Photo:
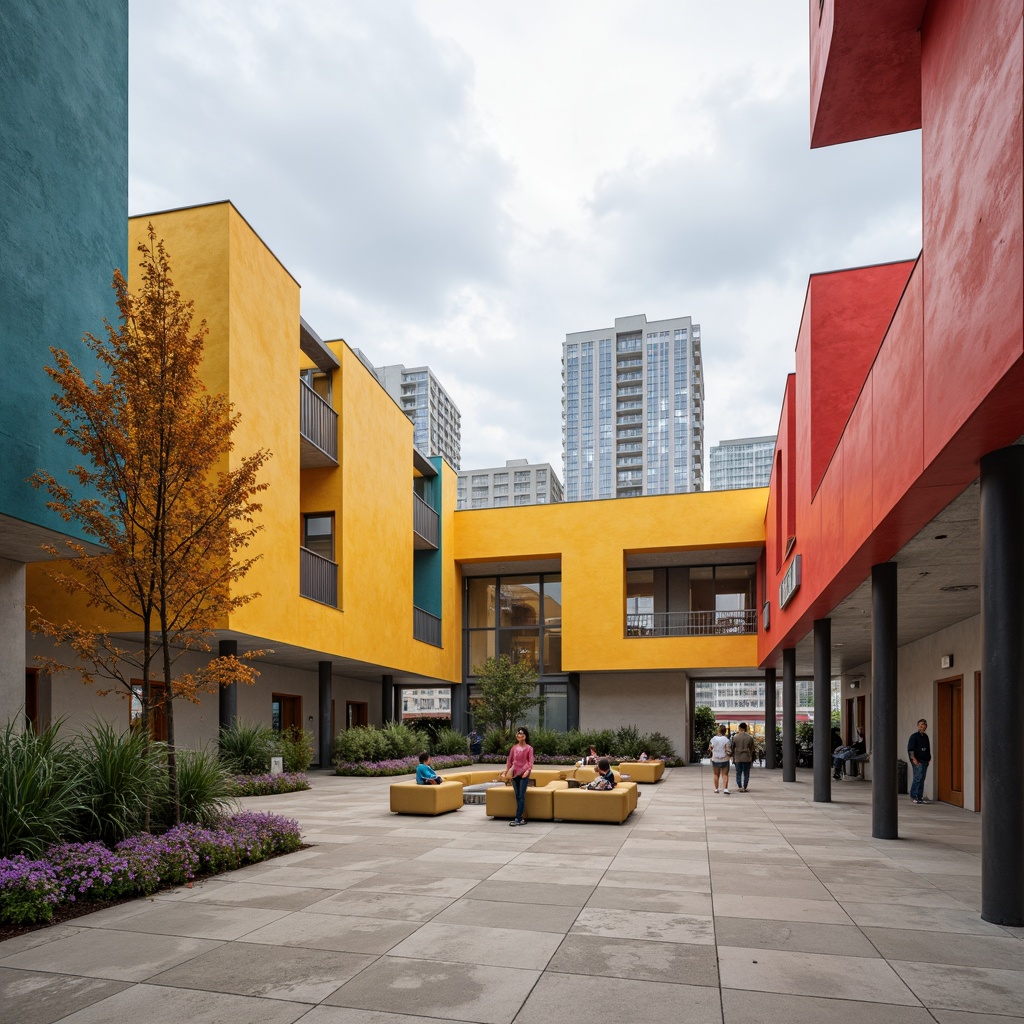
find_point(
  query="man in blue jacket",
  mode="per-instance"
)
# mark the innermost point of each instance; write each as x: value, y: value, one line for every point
x: 920, y: 751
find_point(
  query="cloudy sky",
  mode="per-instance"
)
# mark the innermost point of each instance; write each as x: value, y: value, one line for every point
x: 462, y: 182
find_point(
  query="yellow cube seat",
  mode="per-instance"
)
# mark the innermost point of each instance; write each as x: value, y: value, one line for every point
x: 412, y: 798
x: 642, y: 771
x: 610, y: 805
x: 501, y: 801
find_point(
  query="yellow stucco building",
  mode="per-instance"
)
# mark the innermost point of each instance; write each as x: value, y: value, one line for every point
x: 370, y: 581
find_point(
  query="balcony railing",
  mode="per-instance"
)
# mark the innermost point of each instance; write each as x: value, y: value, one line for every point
x: 318, y: 577
x: 424, y: 524
x: 710, y: 623
x: 426, y: 627
x: 318, y: 429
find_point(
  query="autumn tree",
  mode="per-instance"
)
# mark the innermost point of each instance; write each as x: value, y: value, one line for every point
x: 170, y: 522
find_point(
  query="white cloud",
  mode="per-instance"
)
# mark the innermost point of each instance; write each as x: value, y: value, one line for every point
x: 460, y: 184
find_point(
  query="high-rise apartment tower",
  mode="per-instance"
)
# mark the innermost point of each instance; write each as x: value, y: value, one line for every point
x: 436, y: 419
x: 633, y: 409
x: 742, y: 462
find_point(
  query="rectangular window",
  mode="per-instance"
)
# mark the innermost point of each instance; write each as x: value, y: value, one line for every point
x: 318, y: 534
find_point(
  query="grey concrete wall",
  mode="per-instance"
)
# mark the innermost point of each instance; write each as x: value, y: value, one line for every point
x: 652, y: 701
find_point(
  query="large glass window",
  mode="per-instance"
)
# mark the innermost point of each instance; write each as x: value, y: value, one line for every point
x: 690, y: 600
x: 520, y: 616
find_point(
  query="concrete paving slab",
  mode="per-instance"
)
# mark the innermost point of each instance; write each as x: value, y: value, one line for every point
x: 334, y: 931
x: 117, y: 956
x: 676, y: 963
x: 29, y: 997
x: 435, y: 989
x: 274, y: 972
x: 885, y: 915
x: 156, y: 1005
x: 1003, y: 952
x: 812, y: 974
x: 779, y: 908
x: 436, y: 885
x: 195, y: 920
x: 974, y: 989
x: 387, y: 905
x: 800, y: 936
x: 473, y: 944
x: 696, y: 882
x: 660, y: 901
x: 347, y: 1015
x: 771, y: 1008
x: 519, y: 916
x: 243, y: 893
x: 638, y: 924
x: 583, y: 999
x: 556, y: 894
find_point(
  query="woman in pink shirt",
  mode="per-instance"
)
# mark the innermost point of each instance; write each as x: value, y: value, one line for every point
x: 518, y: 767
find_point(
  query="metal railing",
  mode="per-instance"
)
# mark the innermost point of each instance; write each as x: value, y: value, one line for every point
x: 709, y: 623
x: 318, y: 577
x: 425, y: 521
x: 318, y: 422
x: 426, y: 627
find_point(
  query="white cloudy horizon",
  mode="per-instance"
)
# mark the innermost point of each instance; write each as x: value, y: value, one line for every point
x: 460, y: 184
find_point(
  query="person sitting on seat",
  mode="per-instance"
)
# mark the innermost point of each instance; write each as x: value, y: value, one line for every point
x: 425, y: 775
x: 841, y: 754
x: 605, y: 778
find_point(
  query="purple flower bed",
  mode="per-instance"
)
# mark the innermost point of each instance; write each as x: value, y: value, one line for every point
x: 69, y: 872
x: 400, y: 766
x: 268, y: 785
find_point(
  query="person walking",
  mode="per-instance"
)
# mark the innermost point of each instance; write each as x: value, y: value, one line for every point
x: 920, y: 750
x: 518, y: 768
x: 720, y: 750
x: 743, y: 757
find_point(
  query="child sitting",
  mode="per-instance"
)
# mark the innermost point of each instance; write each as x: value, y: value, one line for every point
x: 425, y: 775
x: 605, y: 778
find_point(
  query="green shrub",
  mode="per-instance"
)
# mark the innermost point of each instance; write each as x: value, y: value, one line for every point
x: 247, y: 747
x: 296, y: 749
x: 429, y: 727
x: 204, y: 788
x: 449, y: 741
x: 402, y: 740
x: 123, y: 775
x: 545, y: 741
x: 497, y: 741
x: 41, y: 799
x: 628, y: 742
x: 657, y: 745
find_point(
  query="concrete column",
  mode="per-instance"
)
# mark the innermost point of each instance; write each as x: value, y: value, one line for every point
x: 460, y: 708
x: 770, y: 717
x: 572, y: 702
x: 789, y: 714
x: 227, y: 703
x: 387, y: 699
x: 884, y: 744
x: 325, y: 695
x: 13, y: 652
x: 822, y: 710
x: 1002, y: 693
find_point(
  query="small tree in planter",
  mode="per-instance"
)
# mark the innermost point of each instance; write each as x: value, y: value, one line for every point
x: 507, y: 692
x: 703, y: 729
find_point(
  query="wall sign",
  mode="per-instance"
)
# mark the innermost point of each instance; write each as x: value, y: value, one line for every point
x: 791, y: 581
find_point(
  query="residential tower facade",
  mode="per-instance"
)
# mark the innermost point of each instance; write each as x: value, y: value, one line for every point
x: 515, y: 483
x: 743, y: 462
x: 633, y: 409
x: 435, y: 417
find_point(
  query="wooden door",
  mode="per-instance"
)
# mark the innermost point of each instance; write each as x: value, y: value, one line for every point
x: 977, y: 741
x: 948, y: 744
x: 285, y: 712
x: 856, y: 710
x: 356, y: 713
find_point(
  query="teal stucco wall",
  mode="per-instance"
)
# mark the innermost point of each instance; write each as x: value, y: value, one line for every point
x: 63, y: 216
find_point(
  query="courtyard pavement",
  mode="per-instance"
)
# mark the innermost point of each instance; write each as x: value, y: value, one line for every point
x: 742, y: 909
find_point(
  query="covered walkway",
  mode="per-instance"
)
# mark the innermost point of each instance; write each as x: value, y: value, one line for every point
x: 748, y: 908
